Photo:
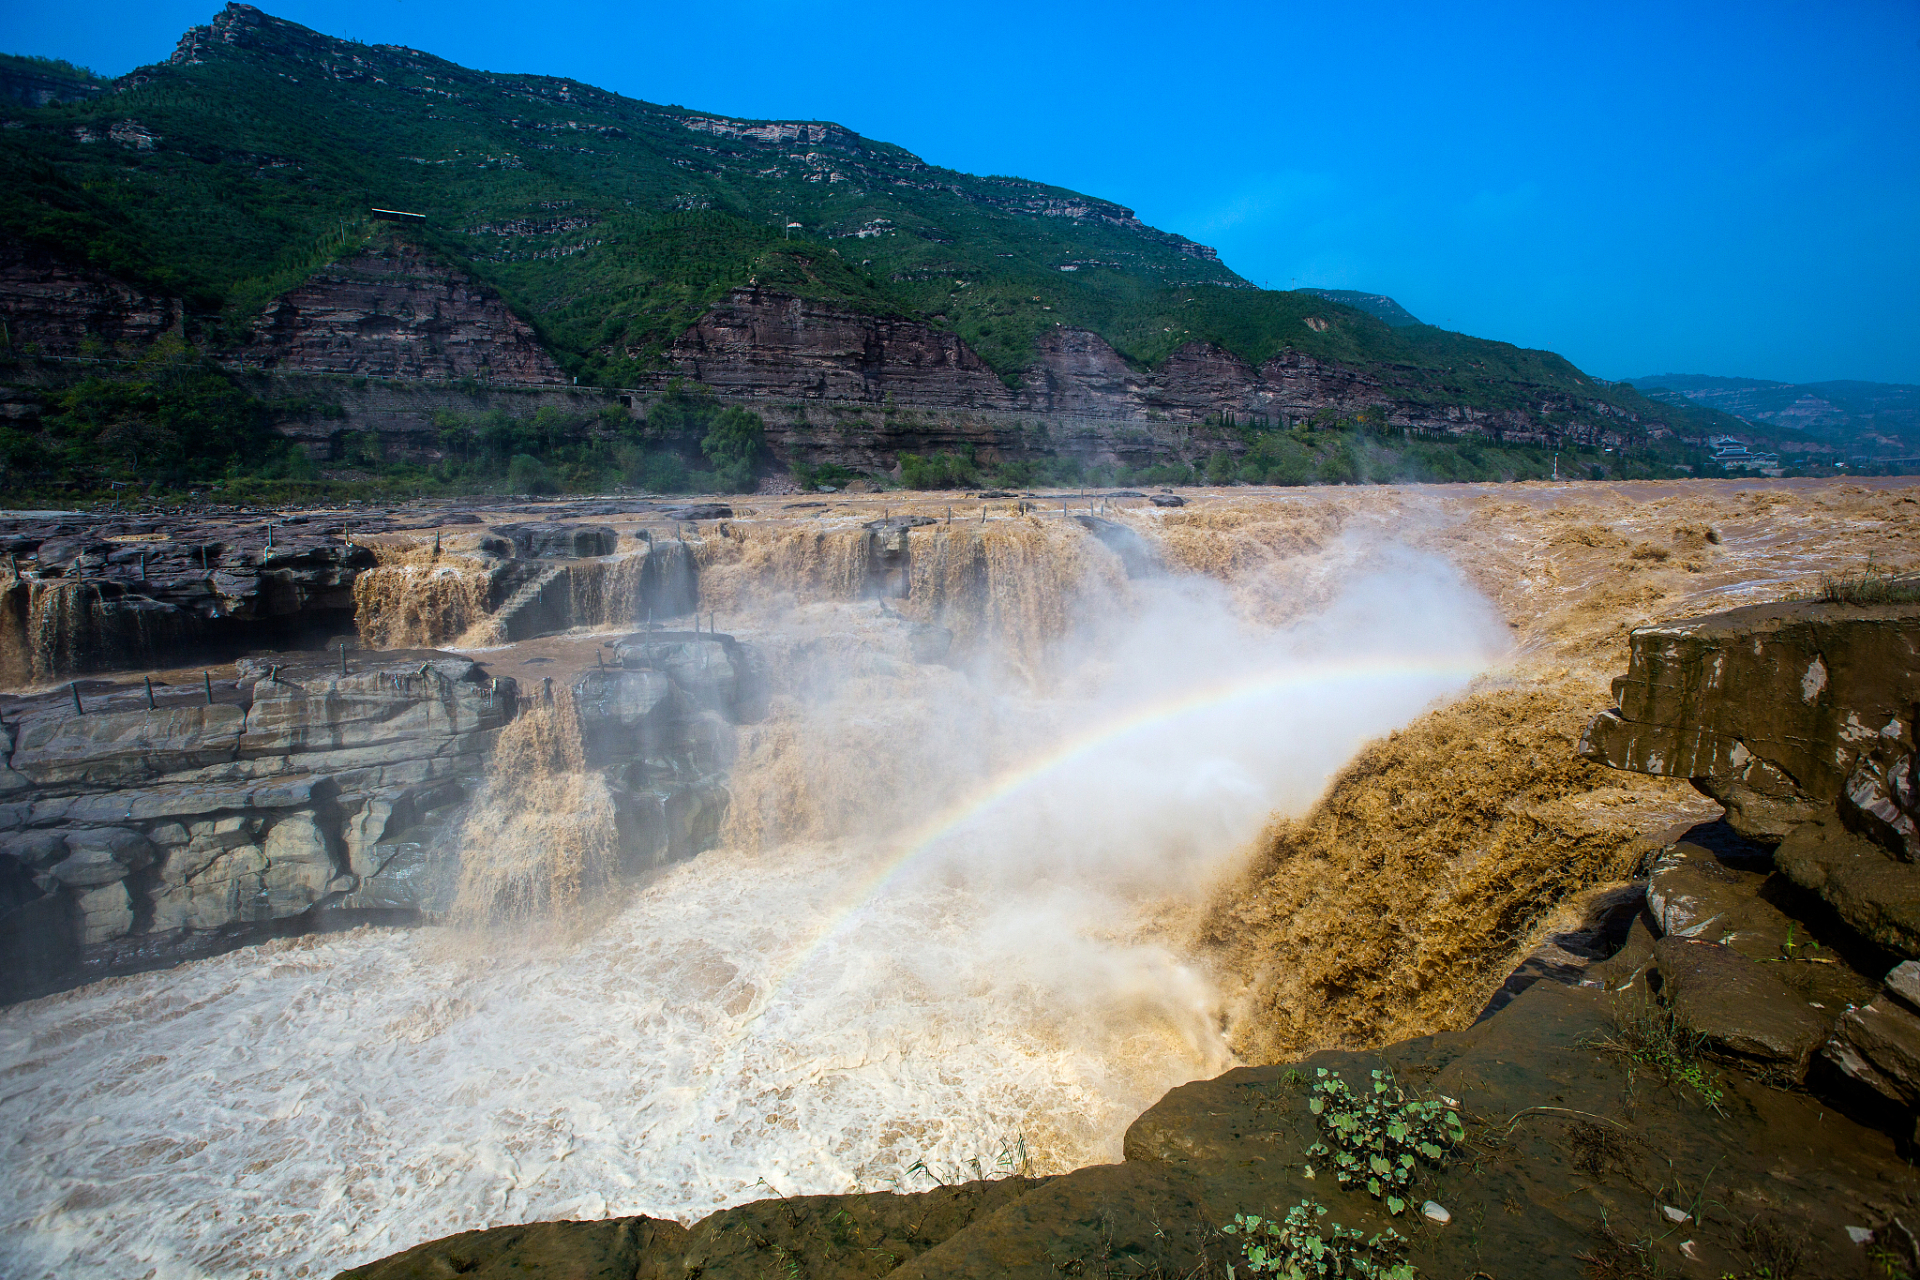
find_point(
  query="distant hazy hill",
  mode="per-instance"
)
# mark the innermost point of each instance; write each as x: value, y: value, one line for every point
x: 1377, y: 305
x: 1870, y: 419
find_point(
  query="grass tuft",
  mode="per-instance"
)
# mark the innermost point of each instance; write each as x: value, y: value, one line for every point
x: 1651, y: 1036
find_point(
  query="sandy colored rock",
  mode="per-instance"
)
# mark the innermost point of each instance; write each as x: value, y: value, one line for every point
x: 105, y: 912
x: 299, y: 865
x: 125, y: 748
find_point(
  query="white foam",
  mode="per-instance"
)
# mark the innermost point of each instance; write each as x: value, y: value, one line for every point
x: 808, y: 1018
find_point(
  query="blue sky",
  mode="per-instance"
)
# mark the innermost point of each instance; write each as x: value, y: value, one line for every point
x: 1729, y: 189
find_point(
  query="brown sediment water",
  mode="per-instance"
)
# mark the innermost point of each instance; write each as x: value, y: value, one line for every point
x: 956, y: 902
x: 606, y: 592
x: 539, y: 842
x: 59, y: 627
x: 1433, y: 863
x: 419, y: 596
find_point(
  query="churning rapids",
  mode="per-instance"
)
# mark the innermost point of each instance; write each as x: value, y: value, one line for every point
x: 943, y: 928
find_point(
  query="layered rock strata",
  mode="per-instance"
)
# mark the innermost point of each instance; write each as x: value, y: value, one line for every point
x: 136, y: 834
x: 392, y: 311
x: 764, y: 344
x: 82, y: 593
x: 302, y: 795
x: 53, y: 307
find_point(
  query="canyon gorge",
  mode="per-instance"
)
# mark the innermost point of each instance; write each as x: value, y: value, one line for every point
x: 896, y: 861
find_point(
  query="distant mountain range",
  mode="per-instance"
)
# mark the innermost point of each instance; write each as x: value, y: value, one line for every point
x: 1859, y: 419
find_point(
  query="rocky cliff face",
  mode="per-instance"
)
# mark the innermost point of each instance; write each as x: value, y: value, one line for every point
x: 58, y: 308
x: 1778, y: 711
x: 135, y: 835
x: 764, y: 344
x: 394, y: 312
x: 1800, y: 718
x: 89, y: 593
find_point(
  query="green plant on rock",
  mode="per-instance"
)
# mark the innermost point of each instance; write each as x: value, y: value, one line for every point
x: 1379, y: 1140
x: 1652, y: 1036
x: 1294, y: 1249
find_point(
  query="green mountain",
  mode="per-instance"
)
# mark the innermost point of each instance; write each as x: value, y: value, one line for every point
x: 252, y: 157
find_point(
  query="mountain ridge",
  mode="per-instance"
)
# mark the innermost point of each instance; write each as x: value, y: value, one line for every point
x: 226, y: 196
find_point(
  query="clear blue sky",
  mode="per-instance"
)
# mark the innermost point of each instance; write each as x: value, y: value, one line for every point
x: 1729, y: 189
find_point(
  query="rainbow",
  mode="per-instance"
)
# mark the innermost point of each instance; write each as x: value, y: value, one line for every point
x: 1442, y: 674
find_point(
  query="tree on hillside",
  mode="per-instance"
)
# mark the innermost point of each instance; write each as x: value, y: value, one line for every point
x: 733, y: 444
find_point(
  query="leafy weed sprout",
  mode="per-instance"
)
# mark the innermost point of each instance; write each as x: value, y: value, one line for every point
x: 1294, y: 1249
x: 1381, y: 1139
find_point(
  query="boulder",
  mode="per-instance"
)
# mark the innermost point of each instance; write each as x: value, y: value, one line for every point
x: 1882, y: 800
x: 105, y: 913
x: 625, y: 714
x: 215, y: 880
x: 35, y: 848
x: 1736, y: 1004
x: 1879, y: 1046
x: 1903, y: 980
x: 299, y: 866
x: 704, y: 667
x: 90, y: 869
x: 1694, y: 893
x: 1876, y: 894
x: 1769, y: 709
x: 131, y: 849
x: 1167, y: 500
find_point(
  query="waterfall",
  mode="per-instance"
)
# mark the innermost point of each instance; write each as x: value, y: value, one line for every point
x: 57, y: 628
x: 539, y: 842
x: 416, y: 597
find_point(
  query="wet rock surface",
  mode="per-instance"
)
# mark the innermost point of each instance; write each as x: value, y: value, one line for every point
x: 165, y: 832
x: 100, y: 591
x: 1773, y: 710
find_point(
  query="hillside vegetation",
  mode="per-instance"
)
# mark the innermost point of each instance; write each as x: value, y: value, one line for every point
x: 253, y: 156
